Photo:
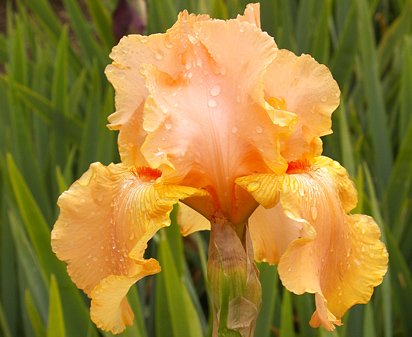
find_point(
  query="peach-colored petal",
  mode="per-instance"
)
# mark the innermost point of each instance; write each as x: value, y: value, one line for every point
x: 271, y: 241
x: 342, y: 259
x: 190, y: 221
x: 162, y: 50
x: 251, y: 15
x: 209, y: 124
x: 300, y: 85
x: 106, y: 219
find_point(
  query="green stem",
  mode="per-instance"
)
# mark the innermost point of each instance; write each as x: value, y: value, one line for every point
x: 234, y: 281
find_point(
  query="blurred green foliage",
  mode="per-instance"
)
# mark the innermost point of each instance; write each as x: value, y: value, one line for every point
x: 54, y: 101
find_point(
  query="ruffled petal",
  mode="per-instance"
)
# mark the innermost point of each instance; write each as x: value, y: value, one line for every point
x: 341, y: 259
x: 301, y: 85
x: 106, y: 219
x: 210, y: 124
x: 162, y: 50
x: 251, y: 15
x: 270, y: 241
x: 190, y: 221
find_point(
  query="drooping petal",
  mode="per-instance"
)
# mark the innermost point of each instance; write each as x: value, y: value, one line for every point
x: 341, y: 259
x: 271, y: 241
x: 301, y: 85
x: 190, y: 221
x: 209, y: 124
x: 162, y: 50
x: 106, y: 219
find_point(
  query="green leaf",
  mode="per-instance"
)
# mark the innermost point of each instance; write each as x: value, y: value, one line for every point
x: 184, y: 318
x: 269, y: 280
x: 55, y: 325
x: 34, y: 316
x: 286, y: 316
x: 377, y: 124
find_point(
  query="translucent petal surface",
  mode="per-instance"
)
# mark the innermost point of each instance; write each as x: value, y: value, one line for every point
x: 339, y: 257
x: 210, y: 124
x: 124, y: 73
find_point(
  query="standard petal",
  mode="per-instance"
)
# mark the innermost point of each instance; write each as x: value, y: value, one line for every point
x: 301, y: 85
x: 209, y: 124
x: 106, y: 219
x: 251, y: 15
x: 162, y: 50
x: 341, y: 259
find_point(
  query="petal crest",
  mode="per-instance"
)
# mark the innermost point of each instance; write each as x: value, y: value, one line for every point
x: 106, y: 219
x: 341, y: 259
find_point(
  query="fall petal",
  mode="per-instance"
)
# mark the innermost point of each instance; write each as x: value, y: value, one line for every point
x: 341, y: 259
x: 208, y: 130
x: 271, y: 241
x: 106, y: 219
x: 301, y: 85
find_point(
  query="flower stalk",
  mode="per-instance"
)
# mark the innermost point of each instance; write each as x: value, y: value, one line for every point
x: 234, y: 280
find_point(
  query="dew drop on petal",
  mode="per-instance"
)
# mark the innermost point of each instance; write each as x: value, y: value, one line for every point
x: 215, y: 90
x: 158, y: 55
x: 168, y: 126
x: 314, y: 212
x: 188, y: 65
x: 234, y: 129
x: 259, y: 129
x: 323, y: 99
x: 253, y: 186
x: 212, y: 103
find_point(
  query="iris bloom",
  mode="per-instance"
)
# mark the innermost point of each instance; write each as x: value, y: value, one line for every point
x: 213, y: 114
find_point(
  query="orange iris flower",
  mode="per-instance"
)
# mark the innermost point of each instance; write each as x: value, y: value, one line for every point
x: 213, y: 113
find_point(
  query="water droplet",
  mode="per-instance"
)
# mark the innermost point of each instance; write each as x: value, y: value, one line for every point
x: 143, y: 39
x: 238, y: 99
x: 168, y: 45
x: 215, y: 90
x: 223, y: 71
x: 131, y: 236
x: 363, y: 249
x: 159, y: 55
x: 188, y: 65
x: 190, y: 75
x: 212, y: 103
x: 199, y: 62
x: 259, y: 129
x: 174, y: 94
x: 314, y: 212
x: 253, y: 186
x: 324, y: 99
x: 191, y: 38
x: 234, y: 129
x: 168, y: 126
x: 242, y: 29
x: 289, y: 269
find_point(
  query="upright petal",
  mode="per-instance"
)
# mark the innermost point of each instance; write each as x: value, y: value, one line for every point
x: 341, y: 259
x: 106, y: 219
x: 210, y: 124
x: 162, y: 50
x: 301, y: 85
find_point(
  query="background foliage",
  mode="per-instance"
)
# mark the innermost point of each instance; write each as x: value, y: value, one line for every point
x: 54, y: 101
